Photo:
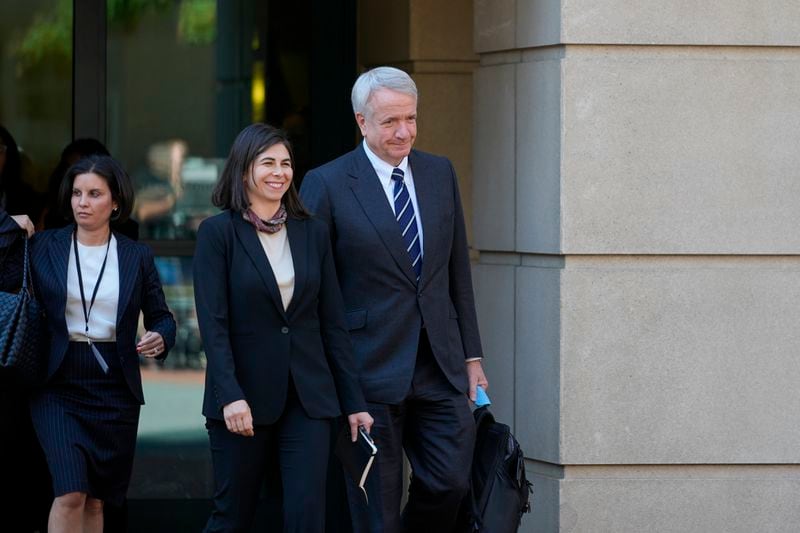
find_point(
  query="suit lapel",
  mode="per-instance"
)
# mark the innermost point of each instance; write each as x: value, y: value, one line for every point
x: 249, y: 238
x: 430, y: 207
x: 128, y: 265
x: 367, y: 188
x: 297, y: 232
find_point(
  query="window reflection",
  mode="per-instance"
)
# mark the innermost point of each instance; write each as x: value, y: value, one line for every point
x: 162, y: 110
x: 173, y: 191
x: 176, y: 278
x: 35, y: 98
x: 172, y: 447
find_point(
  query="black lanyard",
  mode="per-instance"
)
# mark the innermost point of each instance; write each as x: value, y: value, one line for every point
x: 86, y: 312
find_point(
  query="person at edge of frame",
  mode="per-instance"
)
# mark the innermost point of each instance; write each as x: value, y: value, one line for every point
x: 24, y: 504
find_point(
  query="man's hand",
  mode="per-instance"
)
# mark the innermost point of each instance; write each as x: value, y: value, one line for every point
x: 24, y: 222
x: 476, y: 377
x: 359, y: 419
x: 238, y: 418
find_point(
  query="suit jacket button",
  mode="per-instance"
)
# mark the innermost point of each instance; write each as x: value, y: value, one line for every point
x: 284, y: 329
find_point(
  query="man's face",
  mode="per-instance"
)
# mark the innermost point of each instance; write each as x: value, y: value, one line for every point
x: 389, y: 124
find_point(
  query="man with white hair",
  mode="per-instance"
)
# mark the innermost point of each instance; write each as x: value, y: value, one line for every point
x: 400, y: 245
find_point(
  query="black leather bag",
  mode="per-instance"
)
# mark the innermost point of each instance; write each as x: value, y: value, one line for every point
x: 22, y: 330
x: 499, y: 491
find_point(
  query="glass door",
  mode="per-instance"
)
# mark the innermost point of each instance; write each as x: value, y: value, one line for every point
x: 183, y: 77
x: 166, y: 85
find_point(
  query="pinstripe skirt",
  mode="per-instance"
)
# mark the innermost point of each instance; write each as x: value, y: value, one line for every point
x: 86, y: 422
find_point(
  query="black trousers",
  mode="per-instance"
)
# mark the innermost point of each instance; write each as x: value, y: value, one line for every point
x: 241, y: 464
x: 435, y: 427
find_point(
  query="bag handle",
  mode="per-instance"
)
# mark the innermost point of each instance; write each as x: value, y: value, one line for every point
x: 27, y: 283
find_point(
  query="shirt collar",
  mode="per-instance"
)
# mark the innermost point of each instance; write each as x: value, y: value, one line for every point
x: 382, y: 168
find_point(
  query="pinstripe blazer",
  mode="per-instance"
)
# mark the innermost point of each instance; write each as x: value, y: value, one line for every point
x: 139, y: 290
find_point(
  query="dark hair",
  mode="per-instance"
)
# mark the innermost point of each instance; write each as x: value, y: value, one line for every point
x: 230, y: 191
x: 107, y: 168
x: 80, y: 148
x: 11, y: 174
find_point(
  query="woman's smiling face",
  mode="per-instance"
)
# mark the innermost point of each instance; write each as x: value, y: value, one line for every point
x: 270, y: 177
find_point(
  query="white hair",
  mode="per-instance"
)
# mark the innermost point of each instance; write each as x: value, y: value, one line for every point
x: 380, y: 78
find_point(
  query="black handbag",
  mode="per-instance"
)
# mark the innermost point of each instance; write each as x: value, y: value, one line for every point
x: 499, y: 492
x: 22, y: 330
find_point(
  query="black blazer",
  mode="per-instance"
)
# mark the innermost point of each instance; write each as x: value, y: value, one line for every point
x: 386, y: 307
x: 139, y: 291
x: 252, y: 345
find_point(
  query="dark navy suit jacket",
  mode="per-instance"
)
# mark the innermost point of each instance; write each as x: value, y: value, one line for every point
x: 252, y: 344
x: 386, y: 307
x: 139, y: 290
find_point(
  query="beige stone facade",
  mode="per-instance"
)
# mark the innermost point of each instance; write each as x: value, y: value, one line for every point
x: 633, y: 175
x: 432, y: 41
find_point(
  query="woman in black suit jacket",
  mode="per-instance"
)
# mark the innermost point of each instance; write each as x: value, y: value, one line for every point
x: 93, y: 283
x: 279, y: 357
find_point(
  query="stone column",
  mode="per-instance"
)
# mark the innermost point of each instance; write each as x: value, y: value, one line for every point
x: 432, y: 41
x: 639, y: 276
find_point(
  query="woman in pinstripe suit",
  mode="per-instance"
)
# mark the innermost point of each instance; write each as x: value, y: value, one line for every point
x: 93, y: 283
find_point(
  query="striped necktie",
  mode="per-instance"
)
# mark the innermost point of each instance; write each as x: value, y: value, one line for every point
x: 404, y: 212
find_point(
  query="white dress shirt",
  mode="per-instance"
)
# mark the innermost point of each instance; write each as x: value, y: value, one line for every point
x: 103, y: 318
x: 384, y: 172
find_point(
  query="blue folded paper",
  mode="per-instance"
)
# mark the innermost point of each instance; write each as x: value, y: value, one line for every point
x: 481, y: 398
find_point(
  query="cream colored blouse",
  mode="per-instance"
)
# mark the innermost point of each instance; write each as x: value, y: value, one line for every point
x: 279, y: 254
